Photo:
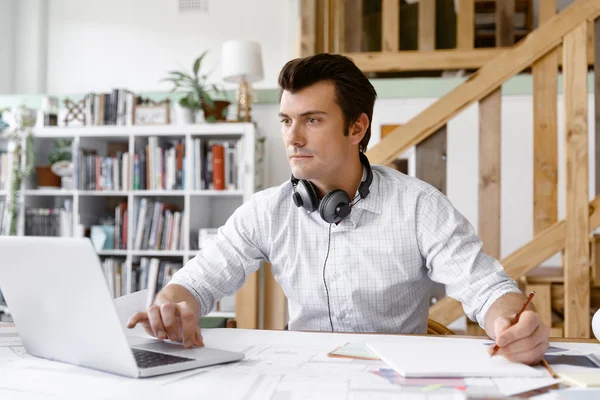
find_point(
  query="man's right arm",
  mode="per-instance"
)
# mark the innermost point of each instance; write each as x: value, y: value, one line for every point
x: 218, y: 270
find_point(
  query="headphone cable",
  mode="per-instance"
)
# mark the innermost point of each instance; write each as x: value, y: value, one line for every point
x: 324, y: 281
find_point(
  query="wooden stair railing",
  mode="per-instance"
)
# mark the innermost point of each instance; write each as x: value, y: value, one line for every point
x: 540, y: 48
x: 521, y: 261
x: 484, y: 81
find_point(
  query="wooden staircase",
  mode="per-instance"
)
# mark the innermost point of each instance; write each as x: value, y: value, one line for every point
x: 561, y: 39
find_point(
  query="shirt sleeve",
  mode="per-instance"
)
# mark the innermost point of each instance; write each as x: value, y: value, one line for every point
x: 226, y: 262
x: 453, y: 255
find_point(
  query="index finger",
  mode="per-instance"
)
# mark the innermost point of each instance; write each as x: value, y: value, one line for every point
x: 527, y: 324
x: 136, y: 318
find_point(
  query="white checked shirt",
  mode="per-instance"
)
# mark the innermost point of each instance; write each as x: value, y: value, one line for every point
x: 382, y: 261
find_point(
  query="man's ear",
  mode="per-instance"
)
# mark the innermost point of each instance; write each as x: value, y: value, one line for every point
x: 359, y: 128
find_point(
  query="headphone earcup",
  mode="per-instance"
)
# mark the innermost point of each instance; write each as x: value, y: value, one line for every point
x: 306, y: 196
x: 335, y: 206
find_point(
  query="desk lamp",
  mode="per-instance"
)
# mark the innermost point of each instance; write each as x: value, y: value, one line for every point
x: 241, y: 62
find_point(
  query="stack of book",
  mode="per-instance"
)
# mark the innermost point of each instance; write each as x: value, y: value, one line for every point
x: 157, y: 226
x: 158, y: 167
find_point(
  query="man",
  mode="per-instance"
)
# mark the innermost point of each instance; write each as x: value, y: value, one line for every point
x: 354, y: 248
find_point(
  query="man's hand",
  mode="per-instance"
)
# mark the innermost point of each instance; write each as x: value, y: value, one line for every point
x: 174, y: 315
x: 525, y: 342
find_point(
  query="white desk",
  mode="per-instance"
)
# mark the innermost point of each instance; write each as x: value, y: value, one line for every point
x: 279, y: 365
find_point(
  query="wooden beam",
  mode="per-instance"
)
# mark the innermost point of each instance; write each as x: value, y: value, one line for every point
x: 577, y: 251
x: 390, y: 25
x: 505, y: 23
x: 431, y: 160
x: 484, y: 81
x: 490, y: 143
x: 415, y: 60
x: 275, y: 302
x: 246, y: 303
x: 545, y: 132
x: 465, y: 24
x: 597, y: 100
x: 308, y: 27
x: 543, y: 246
x: 353, y: 25
x: 426, y: 38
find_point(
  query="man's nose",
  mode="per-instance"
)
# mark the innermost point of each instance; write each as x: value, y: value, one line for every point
x: 294, y: 136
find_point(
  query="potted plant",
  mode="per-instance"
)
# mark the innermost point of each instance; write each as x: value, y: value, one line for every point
x: 17, y: 127
x: 198, y: 92
x: 59, y: 162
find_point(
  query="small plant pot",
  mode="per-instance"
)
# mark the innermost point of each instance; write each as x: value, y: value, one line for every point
x: 183, y: 115
x: 216, y: 113
x: 46, y: 178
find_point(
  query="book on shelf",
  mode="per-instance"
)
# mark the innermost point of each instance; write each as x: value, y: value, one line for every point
x: 4, y: 218
x: 152, y: 274
x: 159, y: 166
x: 157, y: 226
x: 115, y: 272
x: 215, y: 164
x: 113, y: 108
x: 4, y: 170
x: 102, y: 173
x: 49, y: 221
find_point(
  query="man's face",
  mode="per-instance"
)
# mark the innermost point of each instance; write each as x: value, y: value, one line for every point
x: 312, y: 125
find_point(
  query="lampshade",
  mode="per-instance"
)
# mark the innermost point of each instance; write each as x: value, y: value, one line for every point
x: 241, y: 60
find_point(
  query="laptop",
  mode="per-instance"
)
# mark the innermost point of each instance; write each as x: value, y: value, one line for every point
x: 63, y: 310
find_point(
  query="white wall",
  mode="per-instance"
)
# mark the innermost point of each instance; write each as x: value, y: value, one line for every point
x: 7, y: 9
x: 30, y: 46
x: 98, y: 45
x: 462, y: 168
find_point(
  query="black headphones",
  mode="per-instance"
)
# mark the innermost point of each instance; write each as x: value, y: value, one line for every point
x: 336, y: 204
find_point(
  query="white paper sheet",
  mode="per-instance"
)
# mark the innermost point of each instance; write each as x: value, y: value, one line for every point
x: 127, y: 306
x: 447, y: 357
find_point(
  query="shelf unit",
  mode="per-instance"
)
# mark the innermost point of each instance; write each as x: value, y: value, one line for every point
x: 201, y: 208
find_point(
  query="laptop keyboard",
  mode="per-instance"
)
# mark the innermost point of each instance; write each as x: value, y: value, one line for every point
x: 149, y: 359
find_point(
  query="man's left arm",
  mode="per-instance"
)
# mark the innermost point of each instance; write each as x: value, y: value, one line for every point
x: 453, y: 255
x: 527, y: 340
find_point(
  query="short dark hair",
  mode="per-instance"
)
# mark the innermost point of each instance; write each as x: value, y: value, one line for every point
x: 353, y: 91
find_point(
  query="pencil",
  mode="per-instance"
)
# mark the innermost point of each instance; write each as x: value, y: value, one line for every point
x: 496, y: 347
x: 549, y: 368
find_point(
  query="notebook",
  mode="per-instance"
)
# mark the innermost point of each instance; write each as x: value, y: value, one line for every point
x: 418, y: 357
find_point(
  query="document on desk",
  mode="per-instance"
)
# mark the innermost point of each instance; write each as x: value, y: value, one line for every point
x: 447, y: 357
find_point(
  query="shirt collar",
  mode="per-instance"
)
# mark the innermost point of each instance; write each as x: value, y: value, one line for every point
x: 373, y: 201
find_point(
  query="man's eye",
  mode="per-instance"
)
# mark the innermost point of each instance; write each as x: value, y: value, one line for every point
x: 311, y: 120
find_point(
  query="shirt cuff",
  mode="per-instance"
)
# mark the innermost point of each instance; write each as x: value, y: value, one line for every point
x: 496, y: 294
x: 203, y: 297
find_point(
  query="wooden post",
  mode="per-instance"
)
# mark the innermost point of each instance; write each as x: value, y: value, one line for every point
x: 431, y: 167
x: 465, y: 24
x: 505, y: 23
x: 490, y: 138
x: 339, y: 27
x: 308, y: 27
x: 545, y: 133
x: 330, y: 32
x: 597, y: 100
x: 390, y: 25
x: 353, y: 25
x: 247, y: 303
x: 431, y: 160
x: 542, y: 301
x: 275, y: 302
x: 426, y: 25
x: 577, y: 251
x: 320, y: 20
